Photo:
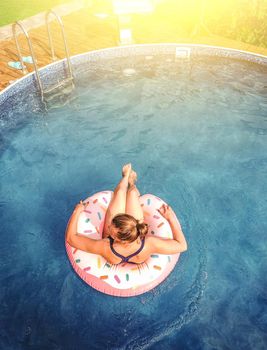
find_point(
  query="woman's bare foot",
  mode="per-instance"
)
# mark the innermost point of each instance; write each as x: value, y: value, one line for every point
x: 126, y: 170
x: 132, y: 178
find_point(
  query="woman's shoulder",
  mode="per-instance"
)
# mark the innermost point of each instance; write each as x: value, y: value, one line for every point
x: 149, y: 244
x: 153, y: 243
x: 151, y: 239
x: 105, y: 241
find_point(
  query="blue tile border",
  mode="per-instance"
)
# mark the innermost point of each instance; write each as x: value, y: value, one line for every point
x: 50, y: 72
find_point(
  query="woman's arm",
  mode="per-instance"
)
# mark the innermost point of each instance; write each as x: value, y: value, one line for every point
x: 78, y: 241
x: 170, y: 246
x: 177, y: 232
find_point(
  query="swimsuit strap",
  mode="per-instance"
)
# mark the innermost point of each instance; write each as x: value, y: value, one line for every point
x: 125, y: 258
x: 138, y: 251
x: 111, y: 241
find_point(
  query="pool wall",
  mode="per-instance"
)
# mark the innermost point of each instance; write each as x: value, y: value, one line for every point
x: 50, y: 73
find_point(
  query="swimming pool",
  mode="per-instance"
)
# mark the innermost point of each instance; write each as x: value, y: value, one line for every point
x: 195, y: 131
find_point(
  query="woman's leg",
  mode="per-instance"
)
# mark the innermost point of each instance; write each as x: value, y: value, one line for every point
x: 118, y: 201
x: 133, y: 206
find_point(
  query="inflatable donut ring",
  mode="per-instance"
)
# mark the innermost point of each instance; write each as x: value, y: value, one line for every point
x: 125, y: 279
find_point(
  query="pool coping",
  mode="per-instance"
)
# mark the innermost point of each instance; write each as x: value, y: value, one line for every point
x: 124, y: 51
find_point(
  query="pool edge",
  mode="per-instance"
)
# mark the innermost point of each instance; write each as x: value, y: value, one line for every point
x: 216, y: 51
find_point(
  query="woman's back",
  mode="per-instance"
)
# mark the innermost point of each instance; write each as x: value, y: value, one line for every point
x: 139, y: 250
x: 152, y: 245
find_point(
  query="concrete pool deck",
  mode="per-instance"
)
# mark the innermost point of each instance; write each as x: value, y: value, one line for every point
x: 87, y: 32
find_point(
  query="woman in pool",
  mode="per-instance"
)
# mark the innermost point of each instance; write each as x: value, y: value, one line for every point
x: 124, y: 234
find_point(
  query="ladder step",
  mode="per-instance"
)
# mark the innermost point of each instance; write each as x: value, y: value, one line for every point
x: 58, y: 85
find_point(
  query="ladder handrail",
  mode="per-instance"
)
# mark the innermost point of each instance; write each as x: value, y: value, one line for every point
x: 19, y: 24
x: 48, y: 13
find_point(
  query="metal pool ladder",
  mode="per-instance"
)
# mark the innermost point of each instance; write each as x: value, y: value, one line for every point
x: 63, y: 82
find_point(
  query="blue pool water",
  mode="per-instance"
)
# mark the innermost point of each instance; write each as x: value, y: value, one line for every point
x: 196, y: 134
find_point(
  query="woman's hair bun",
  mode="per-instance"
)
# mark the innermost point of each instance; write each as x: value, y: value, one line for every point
x: 142, y: 229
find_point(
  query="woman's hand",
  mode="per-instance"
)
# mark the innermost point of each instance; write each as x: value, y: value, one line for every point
x: 166, y: 211
x: 80, y: 207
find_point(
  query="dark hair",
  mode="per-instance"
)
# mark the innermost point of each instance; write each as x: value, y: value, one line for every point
x: 129, y: 228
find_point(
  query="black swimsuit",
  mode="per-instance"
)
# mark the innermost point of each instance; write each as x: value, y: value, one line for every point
x: 125, y: 259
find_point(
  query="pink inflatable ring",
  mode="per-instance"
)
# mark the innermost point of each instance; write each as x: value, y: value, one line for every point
x: 123, y: 280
